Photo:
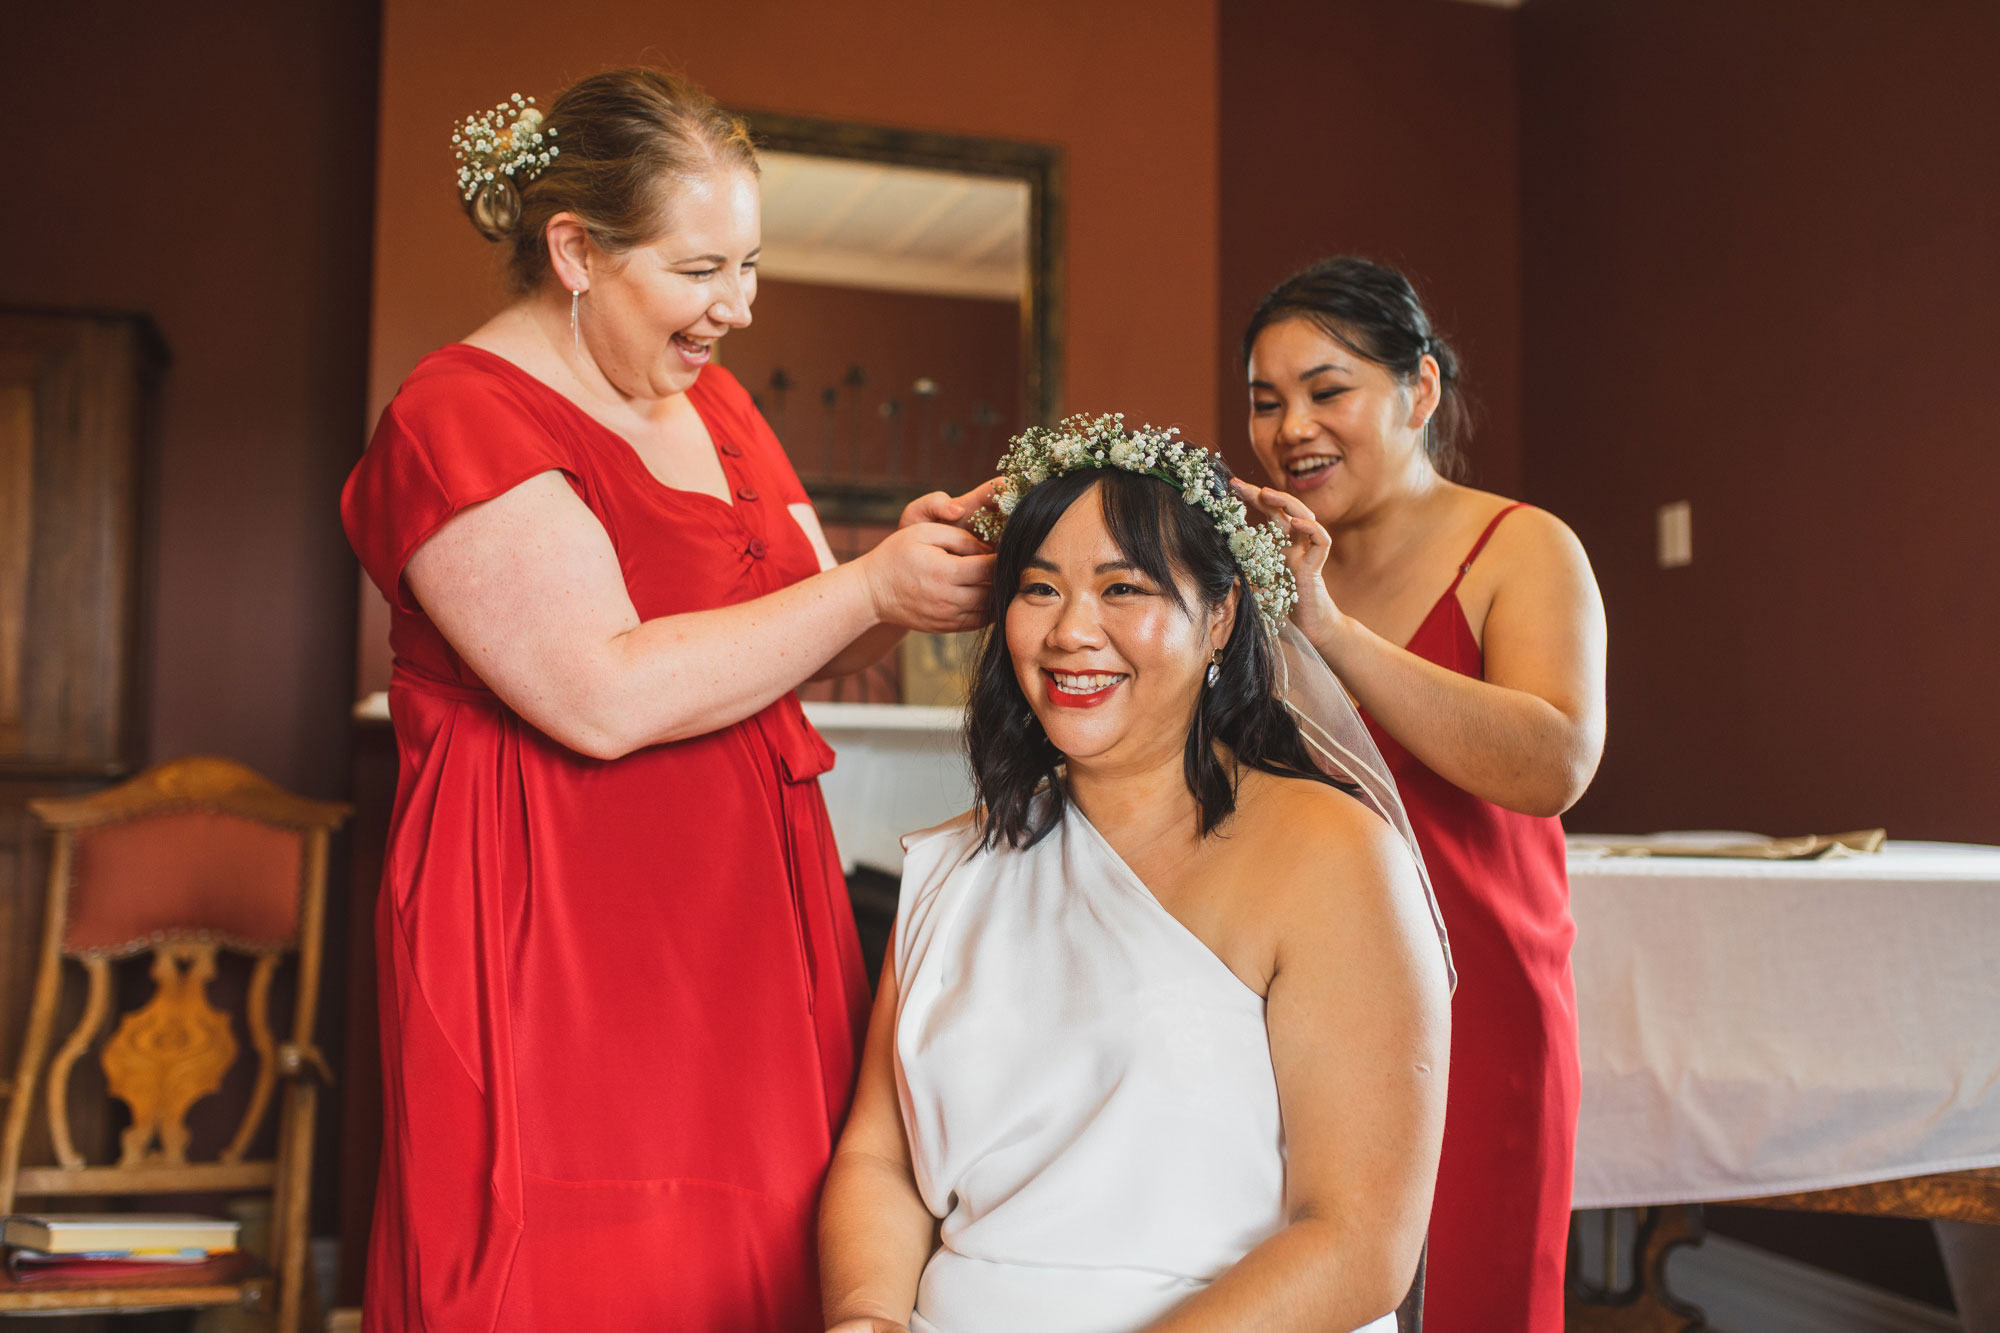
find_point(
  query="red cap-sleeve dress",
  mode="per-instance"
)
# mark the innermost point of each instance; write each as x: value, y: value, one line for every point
x: 621, y: 1000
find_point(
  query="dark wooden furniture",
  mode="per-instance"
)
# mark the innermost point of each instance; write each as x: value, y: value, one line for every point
x: 186, y: 863
x: 1959, y: 1196
x: 77, y: 397
x: 1647, y: 1303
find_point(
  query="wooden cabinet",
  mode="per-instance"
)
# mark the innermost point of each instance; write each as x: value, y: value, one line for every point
x: 77, y: 394
x: 76, y: 397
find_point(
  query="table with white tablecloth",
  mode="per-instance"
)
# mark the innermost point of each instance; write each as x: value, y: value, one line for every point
x: 1747, y: 1027
x: 1770, y: 1027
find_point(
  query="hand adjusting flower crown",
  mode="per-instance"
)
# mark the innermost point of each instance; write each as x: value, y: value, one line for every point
x: 1041, y: 452
x: 507, y: 141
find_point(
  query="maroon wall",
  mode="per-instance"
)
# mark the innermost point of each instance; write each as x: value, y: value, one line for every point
x: 1762, y: 257
x: 1125, y: 87
x: 212, y: 167
x: 1383, y: 128
x: 971, y: 349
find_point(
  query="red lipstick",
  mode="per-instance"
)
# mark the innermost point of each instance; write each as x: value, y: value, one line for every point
x: 1063, y: 698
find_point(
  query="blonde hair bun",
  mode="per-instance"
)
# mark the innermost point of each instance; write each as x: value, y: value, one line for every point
x: 628, y: 139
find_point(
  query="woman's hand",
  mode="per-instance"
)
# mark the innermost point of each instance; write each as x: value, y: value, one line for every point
x: 866, y: 1325
x: 1525, y: 734
x: 930, y: 577
x: 1315, y: 615
x: 937, y: 507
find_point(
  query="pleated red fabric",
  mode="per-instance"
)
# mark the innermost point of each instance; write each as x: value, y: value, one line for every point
x: 1500, y: 1223
x: 621, y: 1001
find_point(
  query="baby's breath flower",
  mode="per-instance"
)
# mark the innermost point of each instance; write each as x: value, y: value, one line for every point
x: 507, y: 141
x: 1041, y: 452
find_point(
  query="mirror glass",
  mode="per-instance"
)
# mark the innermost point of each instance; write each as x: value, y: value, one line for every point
x: 886, y: 347
x: 904, y: 328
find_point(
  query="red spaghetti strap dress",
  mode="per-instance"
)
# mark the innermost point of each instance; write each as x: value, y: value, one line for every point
x: 1500, y: 1224
x: 621, y: 1000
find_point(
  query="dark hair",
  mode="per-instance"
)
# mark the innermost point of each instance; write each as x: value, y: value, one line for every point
x: 1373, y: 311
x: 627, y: 136
x: 1013, y: 758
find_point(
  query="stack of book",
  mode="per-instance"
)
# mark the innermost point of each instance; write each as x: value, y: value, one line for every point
x: 126, y: 1247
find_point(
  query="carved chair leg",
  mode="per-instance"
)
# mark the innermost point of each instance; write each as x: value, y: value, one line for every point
x: 293, y: 1223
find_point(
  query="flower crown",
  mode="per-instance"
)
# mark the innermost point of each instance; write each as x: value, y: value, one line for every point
x: 1041, y: 452
x: 506, y: 141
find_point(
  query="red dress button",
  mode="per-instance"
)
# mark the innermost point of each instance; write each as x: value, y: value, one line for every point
x: 730, y: 450
x: 757, y: 548
x: 746, y: 492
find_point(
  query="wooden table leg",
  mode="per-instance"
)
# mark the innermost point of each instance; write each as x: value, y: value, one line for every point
x: 1643, y: 1303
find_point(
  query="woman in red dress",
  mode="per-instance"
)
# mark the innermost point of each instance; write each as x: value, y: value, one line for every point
x: 1470, y: 631
x: 621, y: 992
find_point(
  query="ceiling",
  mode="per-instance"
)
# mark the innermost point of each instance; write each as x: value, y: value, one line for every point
x: 869, y: 224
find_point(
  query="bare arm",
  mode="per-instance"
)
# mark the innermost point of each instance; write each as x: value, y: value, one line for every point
x: 875, y: 1231
x: 1360, y: 1029
x: 527, y: 589
x: 1530, y: 734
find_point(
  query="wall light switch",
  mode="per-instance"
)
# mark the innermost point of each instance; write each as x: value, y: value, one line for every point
x: 1676, y: 535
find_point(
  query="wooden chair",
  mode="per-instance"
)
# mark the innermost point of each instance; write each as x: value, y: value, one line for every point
x: 185, y: 861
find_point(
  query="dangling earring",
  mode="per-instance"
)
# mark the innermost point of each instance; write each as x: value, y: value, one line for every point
x: 575, y: 344
x: 1215, y: 666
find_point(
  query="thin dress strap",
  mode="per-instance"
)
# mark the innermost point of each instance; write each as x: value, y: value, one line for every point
x: 1465, y: 566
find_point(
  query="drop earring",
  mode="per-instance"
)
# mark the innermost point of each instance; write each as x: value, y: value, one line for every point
x: 575, y: 344
x: 1215, y: 666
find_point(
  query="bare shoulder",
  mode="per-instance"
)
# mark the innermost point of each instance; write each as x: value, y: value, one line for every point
x: 1531, y: 540
x: 1533, y: 565
x: 1312, y: 840
x: 1337, y: 891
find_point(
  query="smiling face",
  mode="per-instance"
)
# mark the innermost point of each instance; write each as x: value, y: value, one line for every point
x: 652, y: 314
x: 1332, y: 427
x: 1111, y: 665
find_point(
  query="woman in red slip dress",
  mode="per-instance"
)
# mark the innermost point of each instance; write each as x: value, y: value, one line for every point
x: 1490, y: 714
x: 620, y: 988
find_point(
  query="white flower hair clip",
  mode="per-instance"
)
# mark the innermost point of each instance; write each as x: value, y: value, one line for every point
x: 507, y: 141
x: 1041, y: 452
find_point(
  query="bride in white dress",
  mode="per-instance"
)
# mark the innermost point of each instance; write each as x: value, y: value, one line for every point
x: 1161, y: 1040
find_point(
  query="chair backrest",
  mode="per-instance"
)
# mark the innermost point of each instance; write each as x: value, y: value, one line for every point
x: 185, y: 861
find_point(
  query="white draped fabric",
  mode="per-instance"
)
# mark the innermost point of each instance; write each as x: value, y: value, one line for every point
x: 1087, y: 1089
x: 1761, y: 1027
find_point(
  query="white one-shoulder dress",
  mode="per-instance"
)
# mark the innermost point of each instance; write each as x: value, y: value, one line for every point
x: 1087, y: 1089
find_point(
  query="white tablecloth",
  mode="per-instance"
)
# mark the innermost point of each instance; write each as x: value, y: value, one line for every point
x: 1748, y: 1027
x: 1755, y: 1027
